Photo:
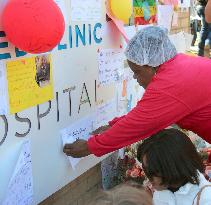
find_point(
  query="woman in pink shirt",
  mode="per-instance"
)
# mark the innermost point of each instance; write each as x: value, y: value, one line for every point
x: 177, y: 91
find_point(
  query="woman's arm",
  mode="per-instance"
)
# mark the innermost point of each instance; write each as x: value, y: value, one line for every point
x: 154, y: 112
x: 208, y: 12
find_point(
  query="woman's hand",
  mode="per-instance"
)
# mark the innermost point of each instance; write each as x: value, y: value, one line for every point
x: 77, y: 149
x: 101, y: 129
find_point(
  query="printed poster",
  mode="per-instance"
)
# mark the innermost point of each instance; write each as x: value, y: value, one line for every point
x: 144, y: 12
x: 29, y: 82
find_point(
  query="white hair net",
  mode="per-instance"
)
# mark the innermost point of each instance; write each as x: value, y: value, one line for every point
x: 150, y: 46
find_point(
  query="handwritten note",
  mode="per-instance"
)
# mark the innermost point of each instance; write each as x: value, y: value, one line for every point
x: 86, y: 10
x: 20, y: 189
x: 104, y: 113
x: 111, y: 63
x: 29, y: 82
x: 3, y: 90
x: 121, y: 101
x: 66, y: 139
x: 80, y: 129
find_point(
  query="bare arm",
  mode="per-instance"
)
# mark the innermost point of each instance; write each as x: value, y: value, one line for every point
x: 208, y: 12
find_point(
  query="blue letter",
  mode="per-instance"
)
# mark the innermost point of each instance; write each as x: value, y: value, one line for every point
x: 97, y: 25
x: 90, y: 34
x: 70, y: 37
x: 78, y: 33
x: 4, y: 45
x: 19, y: 53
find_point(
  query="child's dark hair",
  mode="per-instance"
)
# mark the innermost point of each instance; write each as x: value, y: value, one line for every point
x: 171, y: 155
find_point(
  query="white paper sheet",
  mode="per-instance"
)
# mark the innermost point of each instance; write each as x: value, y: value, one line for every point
x: 80, y: 129
x: 86, y: 10
x: 134, y: 94
x: 20, y: 189
x: 3, y: 90
x: 61, y: 5
x: 121, y: 100
x: 165, y: 14
x: 104, y: 113
x: 111, y: 64
x: 69, y: 139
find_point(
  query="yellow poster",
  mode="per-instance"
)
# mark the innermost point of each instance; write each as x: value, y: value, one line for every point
x: 29, y: 82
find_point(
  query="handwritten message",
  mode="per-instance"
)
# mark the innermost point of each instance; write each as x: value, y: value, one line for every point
x: 111, y: 64
x: 78, y: 130
x: 29, y: 82
x: 20, y: 189
x: 104, y: 113
x: 86, y: 10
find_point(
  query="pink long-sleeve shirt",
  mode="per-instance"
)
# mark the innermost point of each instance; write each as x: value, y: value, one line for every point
x: 179, y: 93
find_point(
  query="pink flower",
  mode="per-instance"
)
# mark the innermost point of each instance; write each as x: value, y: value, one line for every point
x: 135, y: 173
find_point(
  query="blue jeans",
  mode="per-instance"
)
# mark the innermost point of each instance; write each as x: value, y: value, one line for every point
x: 205, y: 28
x: 194, y: 29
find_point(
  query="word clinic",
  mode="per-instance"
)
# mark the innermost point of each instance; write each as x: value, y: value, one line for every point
x: 84, y: 99
x: 77, y: 36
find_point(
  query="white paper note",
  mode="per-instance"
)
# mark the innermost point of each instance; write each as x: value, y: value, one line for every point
x: 20, y: 189
x: 86, y: 10
x: 165, y: 14
x: 69, y: 139
x: 111, y: 64
x: 122, y: 101
x: 3, y: 90
x: 104, y: 113
x: 80, y: 129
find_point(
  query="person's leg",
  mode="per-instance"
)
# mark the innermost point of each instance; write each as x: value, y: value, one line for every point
x: 195, y: 25
x: 209, y: 35
x: 204, y: 30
